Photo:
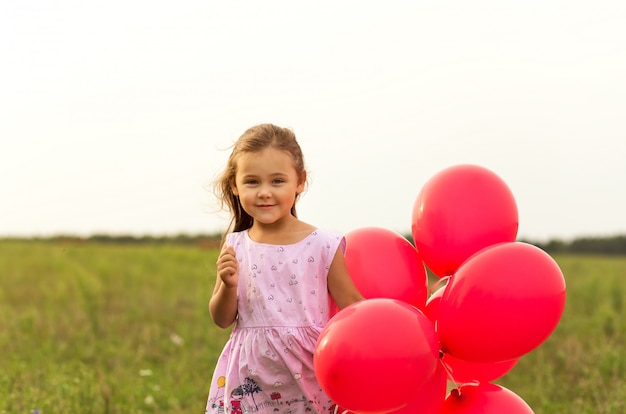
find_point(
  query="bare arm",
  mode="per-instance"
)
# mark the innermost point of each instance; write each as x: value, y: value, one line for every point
x: 223, y: 303
x: 340, y: 285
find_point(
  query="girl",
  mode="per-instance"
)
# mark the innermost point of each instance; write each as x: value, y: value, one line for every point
x: 275, y: 274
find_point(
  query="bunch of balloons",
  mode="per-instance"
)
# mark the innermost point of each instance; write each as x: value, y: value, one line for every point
x: 499, y: 299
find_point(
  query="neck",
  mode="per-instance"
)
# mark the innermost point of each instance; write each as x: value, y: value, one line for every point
x: 286, y: 232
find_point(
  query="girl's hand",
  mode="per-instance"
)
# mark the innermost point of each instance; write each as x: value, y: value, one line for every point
x: 223, y: 303
x: 228, y: 267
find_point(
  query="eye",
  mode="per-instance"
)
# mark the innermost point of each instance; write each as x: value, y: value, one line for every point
x: 250, y: 182
x: 278, y: 181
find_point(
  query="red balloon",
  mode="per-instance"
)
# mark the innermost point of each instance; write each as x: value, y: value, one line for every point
x: 460, y: 211
x: 484, y: 399
x: 384, y: 264
x: 427, y: 400
x: 373, y: 355
x: 430, y: 398
x: 468, y: 371
x: 501, y: 304
x: 461, y: 371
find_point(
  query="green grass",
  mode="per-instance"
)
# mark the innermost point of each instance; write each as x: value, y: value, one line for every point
x: 581, y: 367
x: 95, y: 328
x: 105, y: 329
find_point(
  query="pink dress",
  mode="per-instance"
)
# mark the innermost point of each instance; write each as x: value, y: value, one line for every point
x: 283, y: 304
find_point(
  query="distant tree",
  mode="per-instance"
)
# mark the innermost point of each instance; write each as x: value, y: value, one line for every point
x: 598, y: 245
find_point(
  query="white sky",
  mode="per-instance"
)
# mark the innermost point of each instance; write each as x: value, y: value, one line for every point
x: 115, y: 116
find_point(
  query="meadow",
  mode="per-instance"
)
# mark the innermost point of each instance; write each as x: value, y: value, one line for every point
x: 109, y: 328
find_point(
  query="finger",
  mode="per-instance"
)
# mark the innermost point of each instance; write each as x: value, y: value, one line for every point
x: 228, y: 276
x: 226, y: 261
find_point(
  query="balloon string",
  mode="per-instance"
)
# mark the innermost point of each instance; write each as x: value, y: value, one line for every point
x: 457, y: 386
x: 440, y: 281
x: 448, y: 370
x: 337, y: 410
x: 458, y: 389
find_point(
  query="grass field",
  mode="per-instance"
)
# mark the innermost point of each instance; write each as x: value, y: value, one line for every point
x: 101, y: 328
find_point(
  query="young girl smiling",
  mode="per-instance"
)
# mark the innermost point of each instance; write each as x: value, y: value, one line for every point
x: 275, y: 277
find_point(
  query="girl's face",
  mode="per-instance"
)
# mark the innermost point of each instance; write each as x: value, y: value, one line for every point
x: 267, y: 184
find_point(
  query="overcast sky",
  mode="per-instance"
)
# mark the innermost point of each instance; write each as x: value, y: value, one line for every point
x: 116, y: 116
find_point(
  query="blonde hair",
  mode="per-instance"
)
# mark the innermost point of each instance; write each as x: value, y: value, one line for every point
x: 255, y: 139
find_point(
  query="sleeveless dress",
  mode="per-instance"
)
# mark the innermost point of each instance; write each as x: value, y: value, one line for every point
x: 283, y: 304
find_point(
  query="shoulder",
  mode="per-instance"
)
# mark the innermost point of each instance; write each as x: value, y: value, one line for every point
x: 326, y: 233
x: 236, y: 237
x: 329, y: 238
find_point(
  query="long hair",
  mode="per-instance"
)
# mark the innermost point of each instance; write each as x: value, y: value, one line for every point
x: 255, y: 139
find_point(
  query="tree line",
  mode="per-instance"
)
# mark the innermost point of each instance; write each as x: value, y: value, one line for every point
x: 613, y: 245
x: 599, y: 245
x: 202, y: 240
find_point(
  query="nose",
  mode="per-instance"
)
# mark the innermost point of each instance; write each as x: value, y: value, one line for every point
x: 264, y: 192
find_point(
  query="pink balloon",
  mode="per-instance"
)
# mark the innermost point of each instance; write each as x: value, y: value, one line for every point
x: 501, y: 304
x: 468, y: 371
x: 459, y: 211
x: 484, y: 399
x: 384, y: 264
x: 373, y: 355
